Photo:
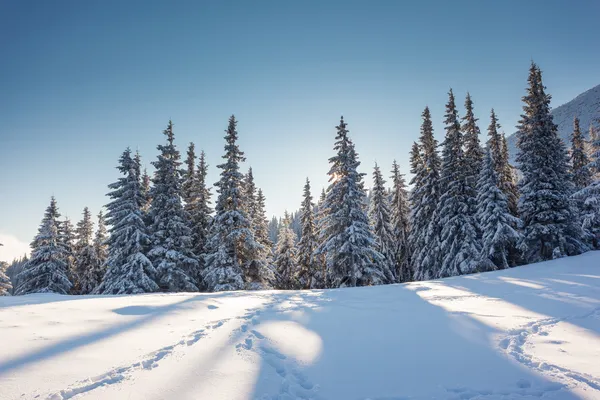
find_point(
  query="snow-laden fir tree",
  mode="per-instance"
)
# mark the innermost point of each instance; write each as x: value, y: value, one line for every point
x: 499, y: 228
x: 273, y: 229
x: 261, y: 223
x: 5, y: 284
x: 201, y: 212
x: 380, y: 217
x: 47, y: 269
x: 92, y: 276
x: 85, y: 254
x: 459, y: 249
x: 286, y: 257
x: 145, y: 192
x: 582, y: 176
x: 66, y: 238
x: 189, y: 179
x: 551, y: 225
x: 249, y: 193
x: 425, y: 228
x: 346, y: 237
x: 233, y: 261
x: 504, y: 171
x: 308, y: 241
x: 129, y: 271
x: 177, y: 267
x: 400, y: 214
x: 589, y: 197
x: 320, y: 272
x: 473, y: 153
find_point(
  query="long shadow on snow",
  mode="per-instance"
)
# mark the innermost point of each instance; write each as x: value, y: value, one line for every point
x: 390, y: 339
x: 150, y: 313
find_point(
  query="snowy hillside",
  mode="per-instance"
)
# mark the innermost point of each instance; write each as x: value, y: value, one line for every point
x: 586, y: 107
x: 524, y: 333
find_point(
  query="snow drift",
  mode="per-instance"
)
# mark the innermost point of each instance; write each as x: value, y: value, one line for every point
x: 523, y: 333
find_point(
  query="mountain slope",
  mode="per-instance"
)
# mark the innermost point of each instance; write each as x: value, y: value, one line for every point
x: 524, y: 333
x: 586, y: 107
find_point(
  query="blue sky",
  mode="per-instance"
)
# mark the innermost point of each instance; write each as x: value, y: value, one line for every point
x: 81, y: 80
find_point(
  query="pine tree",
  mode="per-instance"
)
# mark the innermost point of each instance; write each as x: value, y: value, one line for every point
x: 400, y: 214
x: 582, y: 177
x: 551, y: 226
x: 286, y: 258
x: 92, y: 276
x: 498, y: 227
x: 5, y: 284
x: 320, y: 273
x: 459, y: 247
x: 189, y: 179
x: 347, y: 240
x: 129, y: 271
x: 273, y: 229
x: 201, y: 213
x: 84, y: 253
x: 473, y: 153
x: 145, y: 193
x: 589, y: 197
x: 176, y: 265
x: 308, y: 242
x: 425, y: 228
x: 233, y: 259
x: 380, y: 218
x: 66, y: 238
x: 47, y: 269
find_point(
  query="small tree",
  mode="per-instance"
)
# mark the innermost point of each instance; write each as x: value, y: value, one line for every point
x: 308, y: 242
x: 85, y: 254
x: 286, y: 258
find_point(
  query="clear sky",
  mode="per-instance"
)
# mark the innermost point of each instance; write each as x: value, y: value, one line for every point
x: 81, y: 80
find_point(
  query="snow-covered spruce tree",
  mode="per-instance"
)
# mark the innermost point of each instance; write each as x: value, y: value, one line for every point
x: 189, y: 179
x: 85, y: 254
x: 47, y: 269
x: 582, y: 176
x: 551, y: 225
x: 286, y: 257
x: 249, y: 193
x: 308, y: 242
x: 500, y: 237
x: 400, y: 214
x: 129, y: 271
x: 504, y: 171
x: 381, y: 223
x: 5, y: 284
x: 346, y: 237
x: 459, y: 249
x: 171, y: 253
x: 199, y: 209
x: 66, y: 238
x: 233, y: 253
x: 145, y: 192
x: 425, y: 228
x: 320, y: 272
x: 589, y: 197
x: 273, y: 229
x: 92, y: 276
x: 473, y: 153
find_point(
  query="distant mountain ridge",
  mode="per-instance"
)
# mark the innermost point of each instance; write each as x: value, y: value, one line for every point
x: 586, y: 107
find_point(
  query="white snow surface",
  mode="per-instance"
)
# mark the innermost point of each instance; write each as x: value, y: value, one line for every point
x: 527, y: 333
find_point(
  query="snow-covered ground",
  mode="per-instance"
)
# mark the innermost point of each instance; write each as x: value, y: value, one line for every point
x: 530, y: 332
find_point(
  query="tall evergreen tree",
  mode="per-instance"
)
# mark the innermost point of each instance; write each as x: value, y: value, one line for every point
x: 201, y: 213
x: 129, y: 271
x: 286, y: 257
x: 582, y: 176
x: 498, y: 227
x: 189, y: 179
x: 231, y: 263
x: 473, y: 153
x: 308, y: 242
x: 92, y: 276
x: 47, y: 269
x: 459, y: 247
x: 66, y: 238
x: 320, y: 273
x: 176, y: 265
x: 551, y: 227
x: 84, y: 253
x: 381, y: 223
x: 424, y: 236
x: 5, y: 284
x: 273, y: 229
x: 400, y: 214
x: 145, y: 192
x: 347, y: 240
